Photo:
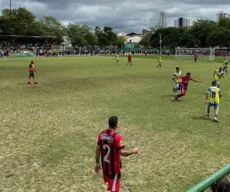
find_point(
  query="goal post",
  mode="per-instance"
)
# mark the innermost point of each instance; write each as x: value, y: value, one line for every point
x: 204, y: 54
x: 218, y: 182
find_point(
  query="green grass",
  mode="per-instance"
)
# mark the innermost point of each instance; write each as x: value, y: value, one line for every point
x: 48, y: 131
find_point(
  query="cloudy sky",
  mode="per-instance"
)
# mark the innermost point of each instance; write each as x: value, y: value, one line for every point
x: 122, y: 15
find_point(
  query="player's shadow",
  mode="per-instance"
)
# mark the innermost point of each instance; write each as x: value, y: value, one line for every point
x: 169, y: 95
x: 201, y: 118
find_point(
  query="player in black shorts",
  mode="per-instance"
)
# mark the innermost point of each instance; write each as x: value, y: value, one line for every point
x: 31, y: 72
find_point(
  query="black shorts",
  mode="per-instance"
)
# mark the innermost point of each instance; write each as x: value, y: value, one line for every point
x: 195, y: 59
x: 31, y: 73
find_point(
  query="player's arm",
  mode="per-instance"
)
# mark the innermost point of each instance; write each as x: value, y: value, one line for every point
x: 128, y: 153
x: 120, y: 146
x: 175, y: 78
x: 97, y: 156
x: 195, y: 80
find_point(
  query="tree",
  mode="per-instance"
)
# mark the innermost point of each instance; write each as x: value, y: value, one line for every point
x: 120, y: 41
x: 53, y: 27
x: 201, y: 30
x: 105, y: 37
x: 16, y: 21
x: 81, y: 35
x: 147, y: 34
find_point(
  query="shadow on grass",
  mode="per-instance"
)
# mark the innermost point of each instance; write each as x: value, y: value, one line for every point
x: 169, y: 95
x: 200, y: 117
x: 204, y: 118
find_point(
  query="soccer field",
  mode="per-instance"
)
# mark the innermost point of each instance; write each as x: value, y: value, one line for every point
x: 48, y: 131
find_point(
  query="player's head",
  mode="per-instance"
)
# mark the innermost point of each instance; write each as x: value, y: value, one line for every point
x: 214, y: 83
x: 113, y: 122
x: 220, y: 69
x: 188, y: 74
x: 177, y: 69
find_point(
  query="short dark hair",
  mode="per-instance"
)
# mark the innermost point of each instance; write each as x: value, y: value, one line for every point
x: 177, y: 68
x: 188, y: 73
x: 113, y: 121
x: 214, y: 83
x: 222, y: 185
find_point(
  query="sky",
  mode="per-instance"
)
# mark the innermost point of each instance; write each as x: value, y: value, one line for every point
x: 123, y: 15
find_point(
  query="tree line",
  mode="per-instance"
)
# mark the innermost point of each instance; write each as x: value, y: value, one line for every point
x: 23, y: 22
x: 203, y: 33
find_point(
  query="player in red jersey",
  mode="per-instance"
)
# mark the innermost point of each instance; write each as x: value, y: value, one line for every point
x: 110, y: 146
x: 185, y: 80
x: 195, y: 56
x: 129, y: 60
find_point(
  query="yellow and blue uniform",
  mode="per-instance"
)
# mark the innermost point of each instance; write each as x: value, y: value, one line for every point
x: 214, y: 95
x: 178, y: 80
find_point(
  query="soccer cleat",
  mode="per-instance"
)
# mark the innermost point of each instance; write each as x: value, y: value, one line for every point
x: 35, y: 83
x: 215, y: 119
x: 207, y: 116
x: 29, y: 83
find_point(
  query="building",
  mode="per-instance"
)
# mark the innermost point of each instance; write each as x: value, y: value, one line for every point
x: 162, y: 21
x: 133, y: 38
x: 182, y: 22
x: 222, y: 15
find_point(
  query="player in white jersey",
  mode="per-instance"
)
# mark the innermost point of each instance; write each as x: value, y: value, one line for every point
x: 118, y: 58
x: 225, y: 66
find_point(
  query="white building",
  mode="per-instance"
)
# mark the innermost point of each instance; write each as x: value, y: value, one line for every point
x: 182, y: 22
x: 133, y: 38
x: 162, y: 21
x: 222, y: 15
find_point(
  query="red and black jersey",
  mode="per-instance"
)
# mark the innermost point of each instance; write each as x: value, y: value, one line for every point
x: 185, y: 80
x: 110, y: 143
x: 129, y: 57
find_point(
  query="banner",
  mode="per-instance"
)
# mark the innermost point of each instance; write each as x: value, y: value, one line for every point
x: 23, y: 54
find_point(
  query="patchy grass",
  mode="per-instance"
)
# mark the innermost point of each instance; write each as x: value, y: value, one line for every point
x: 48, y: 131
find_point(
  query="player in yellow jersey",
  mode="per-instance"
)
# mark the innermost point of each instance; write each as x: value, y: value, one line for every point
x: 159, y: 62
x: 177, y: 75
x: 218, y: 74
x: 213, y: 99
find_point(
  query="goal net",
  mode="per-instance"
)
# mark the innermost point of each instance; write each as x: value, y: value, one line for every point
x: 204, y: 54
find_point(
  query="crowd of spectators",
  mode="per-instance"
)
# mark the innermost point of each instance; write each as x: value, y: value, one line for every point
x: 43, y: 50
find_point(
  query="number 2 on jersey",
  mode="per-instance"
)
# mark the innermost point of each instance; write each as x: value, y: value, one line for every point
x: 107, y: 154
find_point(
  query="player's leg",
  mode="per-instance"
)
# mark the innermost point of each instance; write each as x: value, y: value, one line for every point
x: 208, y: 109
x: 177, y: 88
x: 30, y: 75
x: 216, y: 108
x: 183, y: 93
x: 34, y: 78
x: 114, y: 184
